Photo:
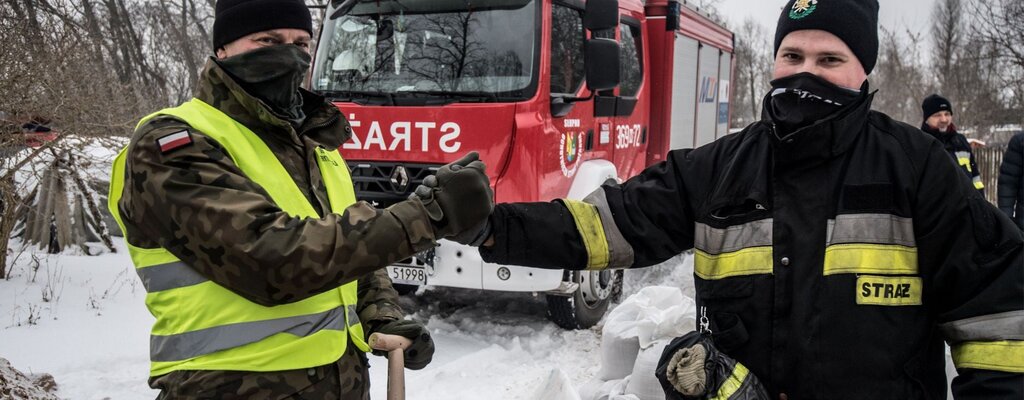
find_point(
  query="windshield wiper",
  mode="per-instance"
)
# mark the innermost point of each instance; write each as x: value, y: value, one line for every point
x: 465, y: 96
x: 358, y: 96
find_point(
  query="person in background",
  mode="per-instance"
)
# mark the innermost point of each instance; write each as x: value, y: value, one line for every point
x: 938, y: 122
x: 1011, y: 181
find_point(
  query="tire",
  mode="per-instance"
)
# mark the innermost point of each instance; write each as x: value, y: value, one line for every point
x: 585, y: 307
x: 405, y: 289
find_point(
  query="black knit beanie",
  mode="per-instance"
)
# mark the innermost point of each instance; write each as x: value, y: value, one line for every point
x: 853, y: 21
x: 236, y: 18
x: 933, y: 104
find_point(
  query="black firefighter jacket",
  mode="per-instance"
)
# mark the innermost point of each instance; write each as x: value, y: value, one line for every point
x: 1011, y: 180
x: 833, y: 262
x: 960, y: 150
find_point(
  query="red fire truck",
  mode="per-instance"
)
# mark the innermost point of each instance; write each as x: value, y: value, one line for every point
x: 558, y: 96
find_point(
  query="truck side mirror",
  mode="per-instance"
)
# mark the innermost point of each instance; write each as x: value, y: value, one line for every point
x: 601, y: 14
x: 341, y: 7
x: 601, y: 57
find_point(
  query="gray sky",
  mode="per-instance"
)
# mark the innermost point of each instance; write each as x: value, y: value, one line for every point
x: 893, y: 14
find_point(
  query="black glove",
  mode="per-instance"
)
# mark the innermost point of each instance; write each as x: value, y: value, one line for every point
x: 419, y: 354
x: 458, y: 199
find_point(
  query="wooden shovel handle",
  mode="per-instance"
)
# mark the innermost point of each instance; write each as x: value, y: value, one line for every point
x: 395, y: 345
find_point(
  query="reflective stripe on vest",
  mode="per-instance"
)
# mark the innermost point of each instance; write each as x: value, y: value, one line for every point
x: 201, y: 325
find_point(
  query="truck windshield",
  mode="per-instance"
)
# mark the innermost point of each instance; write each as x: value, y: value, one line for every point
x: 457, y: 50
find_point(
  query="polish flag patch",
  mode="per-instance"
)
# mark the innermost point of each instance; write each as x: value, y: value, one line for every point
x: 174, y: 141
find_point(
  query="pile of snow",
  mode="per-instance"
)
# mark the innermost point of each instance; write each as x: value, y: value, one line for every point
x: 15, y: 385
x: 83, y: 319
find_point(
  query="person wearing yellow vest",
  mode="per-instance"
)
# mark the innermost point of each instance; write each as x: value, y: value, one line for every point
x: 263, y: 272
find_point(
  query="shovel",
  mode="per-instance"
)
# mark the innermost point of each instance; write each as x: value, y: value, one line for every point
x: 395, y: 346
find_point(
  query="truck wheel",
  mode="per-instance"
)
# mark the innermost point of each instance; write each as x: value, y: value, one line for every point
x: 405, y: 289
x: 587, y: 305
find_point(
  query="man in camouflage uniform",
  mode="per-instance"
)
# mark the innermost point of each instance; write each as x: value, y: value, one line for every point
x: 189, y: 197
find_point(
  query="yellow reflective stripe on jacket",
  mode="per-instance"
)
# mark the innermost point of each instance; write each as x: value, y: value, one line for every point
x: 749, y: 261
x: 202, y: 325
x: 978, y: 184
x: 588, y: 223
x: 1004, y: 355
x: 964, y: 159
x: 744, y: 249
x: 870, y: 259
x: 878, y: 244
x: 732, y: 383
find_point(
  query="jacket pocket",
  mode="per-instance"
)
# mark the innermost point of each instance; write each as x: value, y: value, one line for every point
x: 728, y: 331
x: 724, y: 300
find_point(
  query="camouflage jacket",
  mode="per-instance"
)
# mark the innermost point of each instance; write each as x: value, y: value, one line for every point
x: 195, y: 202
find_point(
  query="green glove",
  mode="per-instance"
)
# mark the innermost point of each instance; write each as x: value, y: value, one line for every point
x: 458, y: 198
x: 419, y: 354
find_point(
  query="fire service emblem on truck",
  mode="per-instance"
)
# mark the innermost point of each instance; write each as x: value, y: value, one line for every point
x: 569, y: 152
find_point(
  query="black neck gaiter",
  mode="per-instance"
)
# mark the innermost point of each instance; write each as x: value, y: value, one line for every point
x: 800, y: 100
x: 272, y: 74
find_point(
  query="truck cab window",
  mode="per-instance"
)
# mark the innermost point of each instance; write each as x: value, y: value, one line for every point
x: 419, y: 49
x: 566, y: 50
x: 630, y: 60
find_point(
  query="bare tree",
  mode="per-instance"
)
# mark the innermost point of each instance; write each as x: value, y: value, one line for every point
x: 900, y: 76
x: 754, y: 63
x: 999, y: 25
x: 92, y: 67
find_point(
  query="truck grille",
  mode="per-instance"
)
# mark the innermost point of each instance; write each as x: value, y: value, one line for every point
x: 386, y: 183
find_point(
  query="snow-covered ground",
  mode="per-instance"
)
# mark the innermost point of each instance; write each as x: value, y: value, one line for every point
x: 83, y: 320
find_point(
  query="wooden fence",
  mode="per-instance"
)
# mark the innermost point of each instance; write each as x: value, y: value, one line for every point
x: 989, y: 158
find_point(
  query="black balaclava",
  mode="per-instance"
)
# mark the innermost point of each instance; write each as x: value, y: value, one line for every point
x: 272, y: 74
x: 800, y: 100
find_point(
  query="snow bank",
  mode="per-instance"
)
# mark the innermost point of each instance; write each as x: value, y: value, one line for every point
x: 83, y: 320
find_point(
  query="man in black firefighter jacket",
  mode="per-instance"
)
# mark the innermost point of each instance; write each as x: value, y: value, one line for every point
x: 835, y: 249
x: 938, y: 122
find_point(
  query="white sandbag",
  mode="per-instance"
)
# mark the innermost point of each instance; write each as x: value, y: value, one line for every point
x: 617, y: 355
x: 642, y: 383
x: 654, y: 313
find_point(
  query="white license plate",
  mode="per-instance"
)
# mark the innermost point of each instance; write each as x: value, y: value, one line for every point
x: 407, y: 275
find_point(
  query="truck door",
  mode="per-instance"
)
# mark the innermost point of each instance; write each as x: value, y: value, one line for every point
x: 567, y: 77
x: 630, y: 120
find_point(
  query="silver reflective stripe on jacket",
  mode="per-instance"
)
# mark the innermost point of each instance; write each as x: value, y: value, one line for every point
x: 192, y: 344
x: 871, y: 229
x: 620, y: 252
x: 993, y: 327
x: 717, y: 241
x: 160, y: 277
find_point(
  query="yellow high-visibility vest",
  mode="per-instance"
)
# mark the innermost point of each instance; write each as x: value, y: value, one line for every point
x: 201, y: 325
